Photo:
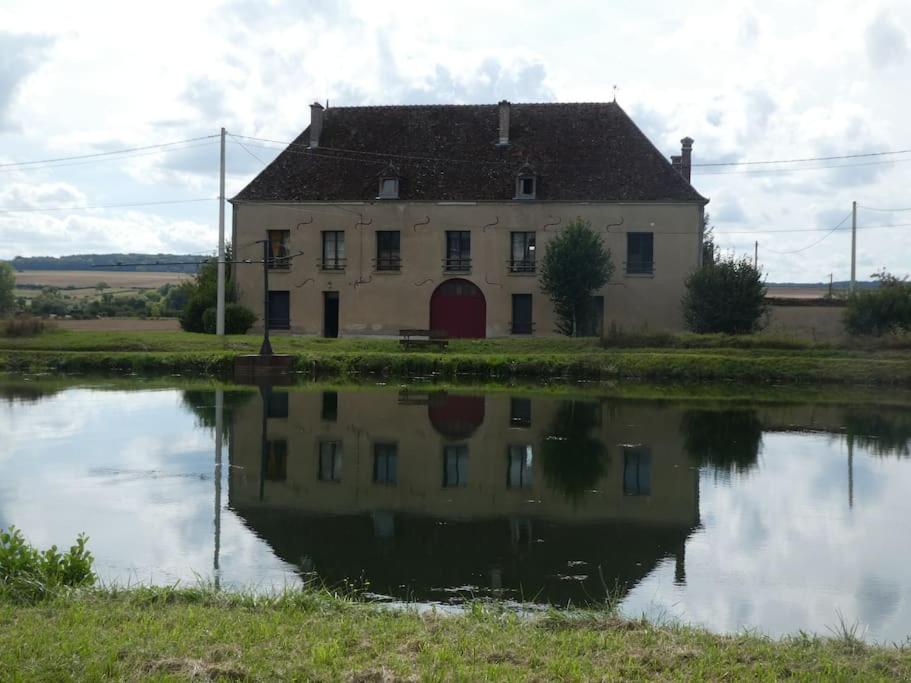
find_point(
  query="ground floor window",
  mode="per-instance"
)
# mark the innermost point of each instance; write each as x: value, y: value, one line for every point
x: 521, y: 314
x: 455, y: 466
x: 519, y: 470
x: 330, y: 461
x: 385, y: 463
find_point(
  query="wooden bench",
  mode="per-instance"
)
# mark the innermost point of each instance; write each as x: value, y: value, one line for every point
x: 422, y: 339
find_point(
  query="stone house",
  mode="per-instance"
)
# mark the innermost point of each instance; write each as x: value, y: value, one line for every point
x: 436, y: 217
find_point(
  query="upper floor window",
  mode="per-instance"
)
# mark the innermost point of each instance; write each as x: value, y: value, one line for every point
x: 637, y: 471
x: 279, y: 243
x: 455, y: 466
x: 640, y: 253
x: 522, y: 252
x: 333, y: 250
x: 388, y: 250
x: 330, y: 460
x: 458, y: 251
x: 389, y: 188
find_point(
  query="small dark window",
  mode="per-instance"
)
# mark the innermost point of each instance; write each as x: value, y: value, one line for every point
x: 279, y: 249
x: 455, y: 466
x: 519, y: 468
x: 277, y: 404
x: 520, y: 412
x: 333, y: 250
x: 386, y: 463
x: 458, y: 251
x: 276, y: 465
x: 329, y: 411
x: 521, y: 314
x: 522, y: 252
x: 525, y: 187
x: 637, y: 471
x: 640, y: 253
x: 389, y: 188
x: 330, y: 461
x: 388, y: 250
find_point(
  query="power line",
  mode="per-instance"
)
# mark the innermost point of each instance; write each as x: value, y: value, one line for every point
x: 874, y: 208
x: 796, y: 161
x: 108, y: 153
x: 102, y: 206
x: 813, y: 244
x: 244, y: 147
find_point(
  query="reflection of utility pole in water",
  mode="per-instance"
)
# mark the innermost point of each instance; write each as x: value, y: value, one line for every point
x: 219, y: 411
x: 850, y: 471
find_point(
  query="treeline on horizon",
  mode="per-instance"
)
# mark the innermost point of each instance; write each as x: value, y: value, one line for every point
x: 161, y: 263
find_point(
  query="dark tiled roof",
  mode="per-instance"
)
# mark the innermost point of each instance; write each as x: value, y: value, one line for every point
x: 588, y: 151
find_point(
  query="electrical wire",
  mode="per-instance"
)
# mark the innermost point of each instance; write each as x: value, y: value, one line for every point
x: 108, y: 153
x: 874, y: 208
x: 244, y: 147
x: 820, y: 240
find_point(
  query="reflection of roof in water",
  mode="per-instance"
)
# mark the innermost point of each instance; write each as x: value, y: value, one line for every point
x: 425, y: 558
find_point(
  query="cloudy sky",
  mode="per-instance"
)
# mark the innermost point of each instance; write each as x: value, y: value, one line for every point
x: 748, y: 81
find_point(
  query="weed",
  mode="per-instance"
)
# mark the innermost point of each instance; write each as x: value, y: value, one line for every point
x: 28, y: 574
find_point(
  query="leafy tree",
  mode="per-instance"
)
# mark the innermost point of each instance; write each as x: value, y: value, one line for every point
x: 709, y: 248
x: 575, y: 265
x: 883, y: 310
x: 7, y: 285
x: 202, y: 295
x: 727, y: 295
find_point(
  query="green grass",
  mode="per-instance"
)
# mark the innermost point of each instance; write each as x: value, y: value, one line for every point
x: 163, y: 634
x: 198, y: 354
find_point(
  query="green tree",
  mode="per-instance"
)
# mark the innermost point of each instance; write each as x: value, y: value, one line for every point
x: 202, y: 296
x: 7, y: 285
x: 575, y: 265
x: 883, y: 310
x: 727, y: 295
x: 709, y: 248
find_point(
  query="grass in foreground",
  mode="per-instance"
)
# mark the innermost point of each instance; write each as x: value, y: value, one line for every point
x: 166, y: 634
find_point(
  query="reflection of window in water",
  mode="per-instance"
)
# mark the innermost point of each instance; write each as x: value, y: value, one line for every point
x: 637, y: 471
x: 455, y: 465
x: 518, y: 475
x: 330, y: 406
x: 383, y: 524
x: 277, y: 460
x: 520, y: 412
x: 520, y: 532
x: 277, y: 404
x: 330, y: 460
x: 385, y: 463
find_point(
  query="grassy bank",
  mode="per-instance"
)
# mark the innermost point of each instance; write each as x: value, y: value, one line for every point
x: 705, y: 360
x: 202, y: 635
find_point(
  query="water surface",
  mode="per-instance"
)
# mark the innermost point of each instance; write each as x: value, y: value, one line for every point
x: 770, y: 515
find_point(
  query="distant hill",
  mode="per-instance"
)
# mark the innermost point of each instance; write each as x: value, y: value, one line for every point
x: 838, y: 284
x: 147, y: 262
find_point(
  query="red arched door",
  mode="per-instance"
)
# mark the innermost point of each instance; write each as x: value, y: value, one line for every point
x: 458, y: 307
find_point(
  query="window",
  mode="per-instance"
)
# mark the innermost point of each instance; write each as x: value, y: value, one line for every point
x: 521, y: 314
x: 637, y: 471
x: 276, y: 466
x: 388, y: 250
x: 455, y: 466
x: 329, y: 411
x: 458, y: 250
x: 520, y: 412
x: 389, y: 188
x: 522, y: 252
x: 525, y: 187
x: 519, y: 470
x: 330, y: 461
x: 279, y: 243
x: 277, y: 404
x: 333, y: 250
x: 640, y: 253
x: 386, y: 463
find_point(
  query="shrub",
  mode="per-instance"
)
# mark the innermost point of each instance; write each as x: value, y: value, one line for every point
x: 238, y: 319
x: 884, y: 310
x: 29, y: 574
x: 725, y: 296
x: 24, y: 326
x: 7, y: 286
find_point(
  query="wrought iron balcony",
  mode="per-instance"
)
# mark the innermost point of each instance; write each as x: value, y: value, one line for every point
x: 387, y: 263
x: 640, y: 267
x: 459, y: 264
x: 332, y: 264
x: 522, y: 265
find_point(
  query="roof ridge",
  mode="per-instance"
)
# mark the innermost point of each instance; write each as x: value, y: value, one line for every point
x: 465, y: 106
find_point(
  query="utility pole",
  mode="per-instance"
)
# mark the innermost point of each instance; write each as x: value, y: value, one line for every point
x: 853, y: 246
x: 830, y: 284
x: 220, y: 296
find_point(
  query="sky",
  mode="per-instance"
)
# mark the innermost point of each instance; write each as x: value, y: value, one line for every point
x: 748, y: 81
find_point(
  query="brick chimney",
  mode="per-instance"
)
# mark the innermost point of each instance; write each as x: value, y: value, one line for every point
x: 686, y: 157
x: 316, y: 124
x: 504, y: 122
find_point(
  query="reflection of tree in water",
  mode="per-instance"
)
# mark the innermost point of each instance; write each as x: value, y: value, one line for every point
x: 882, y: 432
x: 573, y: 460
x: 201, y: 403
x: 25, y: 392
x: 728, y: 441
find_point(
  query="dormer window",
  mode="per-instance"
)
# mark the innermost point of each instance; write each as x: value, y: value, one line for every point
x: 389, y: 183
x: 526, y: 183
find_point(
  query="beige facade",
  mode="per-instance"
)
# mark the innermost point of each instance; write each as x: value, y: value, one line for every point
x: 378, y: 302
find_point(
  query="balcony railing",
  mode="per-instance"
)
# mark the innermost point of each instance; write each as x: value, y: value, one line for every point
x: 332, y: 263
x: 521, y: 265
x: 387, y: 263
x: 460, y: 264
x: 280, y: 261
x: 640, y: 267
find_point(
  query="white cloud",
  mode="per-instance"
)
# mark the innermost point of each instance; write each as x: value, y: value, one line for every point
x: 887, y: 44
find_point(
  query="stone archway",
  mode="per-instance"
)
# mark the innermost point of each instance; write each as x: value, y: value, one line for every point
x: 458, y: 307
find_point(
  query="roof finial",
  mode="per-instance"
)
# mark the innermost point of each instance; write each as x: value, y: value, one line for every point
x: 615, y: 93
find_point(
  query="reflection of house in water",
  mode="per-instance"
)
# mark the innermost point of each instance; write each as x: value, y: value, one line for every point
x: 422, y: 493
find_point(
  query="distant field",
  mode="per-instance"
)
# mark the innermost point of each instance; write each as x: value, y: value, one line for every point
x: 89, y: 278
